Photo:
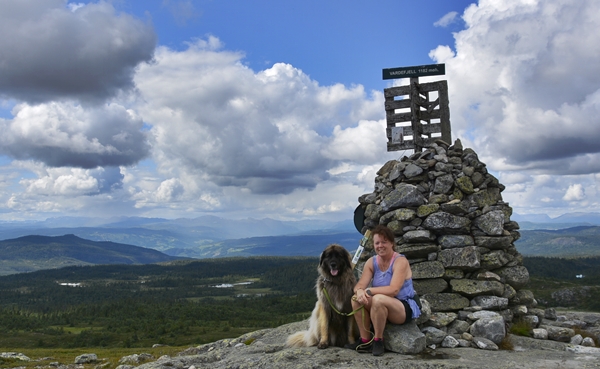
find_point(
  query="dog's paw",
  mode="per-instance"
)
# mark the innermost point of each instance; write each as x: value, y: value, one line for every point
x: 322, y: 345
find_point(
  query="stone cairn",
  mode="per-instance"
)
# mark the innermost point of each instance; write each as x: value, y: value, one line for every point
x: 449, y: 220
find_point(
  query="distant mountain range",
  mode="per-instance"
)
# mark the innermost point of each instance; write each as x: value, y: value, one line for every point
x: 569, y: 235
x: 171, y: 236
x: 543, y: 221
x: 31, y: 253
x: 569, y: 242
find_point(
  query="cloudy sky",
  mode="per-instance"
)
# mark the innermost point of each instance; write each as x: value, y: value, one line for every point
x: 265, y: 108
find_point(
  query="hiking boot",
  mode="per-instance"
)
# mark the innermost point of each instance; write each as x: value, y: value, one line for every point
x: 378, y: 348
x: 360, y: 346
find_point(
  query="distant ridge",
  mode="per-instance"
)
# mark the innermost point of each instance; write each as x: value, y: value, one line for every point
x: 31, y: 253
x: 571, y: 242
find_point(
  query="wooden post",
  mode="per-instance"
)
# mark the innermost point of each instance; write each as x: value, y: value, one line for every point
x: 417, y: 127
x: 445, y: 112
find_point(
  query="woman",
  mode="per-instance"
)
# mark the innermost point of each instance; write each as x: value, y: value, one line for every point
x: 390, y: 299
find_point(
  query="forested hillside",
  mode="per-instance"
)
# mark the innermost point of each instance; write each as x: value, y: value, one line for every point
x: 31, y: 253
x: 569, y: 242
x: 140, y: 305
x: 573, y: 282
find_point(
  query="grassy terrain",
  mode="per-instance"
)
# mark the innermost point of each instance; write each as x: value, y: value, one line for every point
x: 107, y: 357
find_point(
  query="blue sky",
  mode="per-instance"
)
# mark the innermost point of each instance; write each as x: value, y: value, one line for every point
x: 167, y: 108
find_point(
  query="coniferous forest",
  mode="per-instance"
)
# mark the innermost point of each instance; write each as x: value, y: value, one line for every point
x: 194, y: 302
x: 140, y: 305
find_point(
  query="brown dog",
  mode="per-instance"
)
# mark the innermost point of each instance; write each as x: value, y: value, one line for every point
x: 326, y: 326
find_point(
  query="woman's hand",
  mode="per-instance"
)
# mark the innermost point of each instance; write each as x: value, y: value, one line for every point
x: 362, y: 297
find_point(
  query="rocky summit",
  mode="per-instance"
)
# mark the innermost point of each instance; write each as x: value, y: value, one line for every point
x: 450, y: 221
x: 265, y: 349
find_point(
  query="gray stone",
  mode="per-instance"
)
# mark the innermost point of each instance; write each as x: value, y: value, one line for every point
x: 491, y: 328
x: 491, y: 223
x: 136, y: 358
x: 490, y: 302
x: 455, y: 207
x: 472, y: 288
x: 465, y: 258
x: 507, y: 315
x: 458, y: 327
x: 404, y: 196
x: 446, y: 301
x: 449, y: 342
x: 438, y: 199
x: 550, y: 313
x: 416, y: 251
x: 463, y: 343
x: 582, y: 350
x: 388, y: 166
x: 443, y: 184
x: 401, y: 215
x: 425, y: 312
x: 524, y: 297
x: 454, y: 241
x: 396, y: 171
x: 404, y: 338
x: 537, y: 312
x: 576, y: 339
x: 122, y: 366
x: 434, y: 285
x: 434, y: 336
x: 588, y: 342
x: 560, y: 334
x: 486, y: 197
x: 495, y: 259
x: 532, y: 320
x: 372, y: 211
x: 14, y: 356
x: 509, y: 292
x: 465, y: 185
x: 397, y: 227
x: 86, y: 359
x: 441, y: 319
x: 442, y: 222
x: 418, y: 236
x: 412, y: 170
x: 488, y: 276
x: 485, y: 344
x: 427, y: 270
x: 494, y: 243
x: 425, y: 210
x: 519, y: 310
x: 482, y: 314
x: 517, y: 276
x: 540, y: 333
x: 454, y: 274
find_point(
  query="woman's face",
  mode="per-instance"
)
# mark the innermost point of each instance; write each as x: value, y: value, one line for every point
x: 382, y: 245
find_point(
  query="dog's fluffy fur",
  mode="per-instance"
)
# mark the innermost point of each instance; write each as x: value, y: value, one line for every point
x: 327, y: 327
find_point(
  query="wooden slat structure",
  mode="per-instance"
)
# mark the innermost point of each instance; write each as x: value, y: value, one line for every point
x: 412, y: 127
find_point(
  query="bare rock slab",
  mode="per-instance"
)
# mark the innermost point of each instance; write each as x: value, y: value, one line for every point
x: 404, y: 338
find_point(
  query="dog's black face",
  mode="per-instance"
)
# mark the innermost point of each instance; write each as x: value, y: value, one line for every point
x: 335, y: 261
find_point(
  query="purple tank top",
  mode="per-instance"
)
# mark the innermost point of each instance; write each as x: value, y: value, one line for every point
x: 407, y: 292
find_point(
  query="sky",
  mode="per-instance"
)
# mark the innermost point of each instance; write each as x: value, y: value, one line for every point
x: 265, y: 108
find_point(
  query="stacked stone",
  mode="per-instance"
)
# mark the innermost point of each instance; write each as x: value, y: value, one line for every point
x: 450, y: 221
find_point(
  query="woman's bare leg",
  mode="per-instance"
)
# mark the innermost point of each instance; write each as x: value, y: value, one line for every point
x: 363, y: 320
x: 384, y: 309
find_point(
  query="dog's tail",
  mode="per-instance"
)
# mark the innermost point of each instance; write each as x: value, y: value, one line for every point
x: 299, y: 339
